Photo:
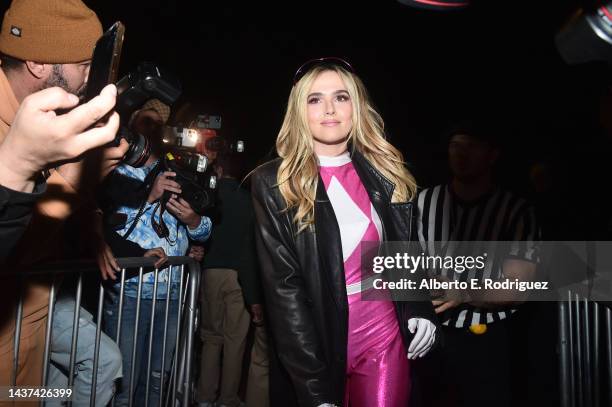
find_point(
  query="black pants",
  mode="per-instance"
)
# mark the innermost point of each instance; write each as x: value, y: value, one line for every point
x: 469, y: 370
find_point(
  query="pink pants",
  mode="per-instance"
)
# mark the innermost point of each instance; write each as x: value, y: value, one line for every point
x: 378, y: 372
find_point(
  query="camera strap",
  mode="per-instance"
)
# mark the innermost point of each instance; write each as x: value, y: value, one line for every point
x: 160, y: 227
x: 135, y: 221
x: 148, y: 183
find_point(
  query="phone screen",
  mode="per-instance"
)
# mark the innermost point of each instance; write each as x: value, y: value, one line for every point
x: 105, y: 60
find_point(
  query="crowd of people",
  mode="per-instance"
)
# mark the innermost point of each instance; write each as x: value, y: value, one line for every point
x: 282, y: 268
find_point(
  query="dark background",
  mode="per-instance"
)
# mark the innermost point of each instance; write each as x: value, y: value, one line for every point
x: 424, y: 70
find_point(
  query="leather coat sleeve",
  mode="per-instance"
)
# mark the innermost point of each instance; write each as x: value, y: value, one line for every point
x: 297, y: 341
x: 403, y: 224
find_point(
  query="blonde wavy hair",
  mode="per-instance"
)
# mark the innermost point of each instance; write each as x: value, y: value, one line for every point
x: 298, y: 173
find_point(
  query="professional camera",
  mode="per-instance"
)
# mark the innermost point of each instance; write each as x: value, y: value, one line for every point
x: 208, y: 126
x: 185, y: 157
x: 188, y: 154
x: 205, y: 121
x: 147, y: 82
x: 202, y: 139
x: 191, y: 174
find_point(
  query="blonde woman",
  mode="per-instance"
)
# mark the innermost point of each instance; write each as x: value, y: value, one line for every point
x: 337, y: 183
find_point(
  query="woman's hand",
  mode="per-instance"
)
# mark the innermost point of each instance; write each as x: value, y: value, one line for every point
x: 424, y: 337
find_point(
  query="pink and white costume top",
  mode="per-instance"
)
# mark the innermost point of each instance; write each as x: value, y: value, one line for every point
x: 357, y: 219
x: 377, y: 368
x: 375, y: 322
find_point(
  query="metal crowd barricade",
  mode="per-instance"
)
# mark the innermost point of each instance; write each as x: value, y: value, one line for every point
x: 178, y: 388
x: 585, y: 366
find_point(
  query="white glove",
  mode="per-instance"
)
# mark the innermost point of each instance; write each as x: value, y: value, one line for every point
x: 423, y: 339
x: 327, y: 405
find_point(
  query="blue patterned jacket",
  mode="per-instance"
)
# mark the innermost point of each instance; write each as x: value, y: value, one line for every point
x: 121, y: 188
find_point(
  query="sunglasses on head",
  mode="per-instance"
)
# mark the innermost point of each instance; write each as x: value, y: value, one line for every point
x: 308, y: 65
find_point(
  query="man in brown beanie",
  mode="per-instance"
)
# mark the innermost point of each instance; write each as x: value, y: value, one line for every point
x: 48, y: 43
x: 43, y: 43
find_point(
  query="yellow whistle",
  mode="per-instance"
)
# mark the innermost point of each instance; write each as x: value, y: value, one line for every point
x: 478, y: 329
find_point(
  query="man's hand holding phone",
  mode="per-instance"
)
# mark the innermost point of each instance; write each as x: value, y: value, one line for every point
x: 39, y: 136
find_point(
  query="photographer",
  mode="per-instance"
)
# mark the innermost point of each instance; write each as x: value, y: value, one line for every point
x: 146, y: 214
x: 49, y: 56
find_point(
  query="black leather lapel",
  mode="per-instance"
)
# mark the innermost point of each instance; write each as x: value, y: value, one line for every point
x: 371, y: 178
x: 379, y: 188
x: 397, y: 218
x: 329, y: 246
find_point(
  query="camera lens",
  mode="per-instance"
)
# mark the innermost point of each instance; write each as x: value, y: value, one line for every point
x: 140, y: 148
x: 139, y: 151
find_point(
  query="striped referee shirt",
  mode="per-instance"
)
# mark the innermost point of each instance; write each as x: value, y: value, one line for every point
x: 443, y: 220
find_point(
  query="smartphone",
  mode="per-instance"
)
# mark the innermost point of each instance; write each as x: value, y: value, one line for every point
x: 105, y: 61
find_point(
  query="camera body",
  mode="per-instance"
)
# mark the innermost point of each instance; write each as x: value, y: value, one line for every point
x: 196, y: 185
x: 184, y: 156
x: 203, y: 140
x: 206, y: 121
x: 189, y: 153
x: 148, y: 82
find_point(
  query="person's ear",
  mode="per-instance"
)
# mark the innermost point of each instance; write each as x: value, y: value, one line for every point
x: 38, y: 70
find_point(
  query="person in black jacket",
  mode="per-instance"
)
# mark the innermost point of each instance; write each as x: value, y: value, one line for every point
x: 337, y: 184
x: 228, y: 277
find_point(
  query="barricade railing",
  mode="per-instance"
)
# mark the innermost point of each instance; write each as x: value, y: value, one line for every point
x: 585, y: 363
x: 177, y: 389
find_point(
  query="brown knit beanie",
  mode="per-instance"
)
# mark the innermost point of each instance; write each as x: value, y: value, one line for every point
x: 49, y: 31
x: 157, y: 105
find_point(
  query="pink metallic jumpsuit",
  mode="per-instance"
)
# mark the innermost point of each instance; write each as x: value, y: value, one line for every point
x: 378, y: 373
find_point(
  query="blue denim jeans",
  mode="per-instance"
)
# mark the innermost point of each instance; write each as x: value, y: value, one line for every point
x: 128, y: 324
x: 109, y: 362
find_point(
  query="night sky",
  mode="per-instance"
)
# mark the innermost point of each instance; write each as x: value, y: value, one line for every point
x: 423, y: 69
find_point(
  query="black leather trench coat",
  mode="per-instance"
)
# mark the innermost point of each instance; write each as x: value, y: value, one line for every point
x: 304, y: 286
